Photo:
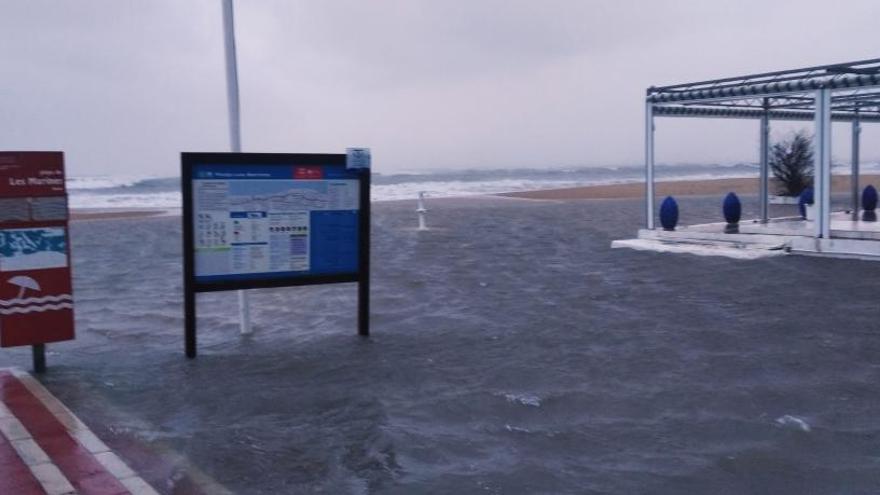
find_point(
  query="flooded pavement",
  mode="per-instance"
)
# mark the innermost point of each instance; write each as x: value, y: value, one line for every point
x: 512, y: 352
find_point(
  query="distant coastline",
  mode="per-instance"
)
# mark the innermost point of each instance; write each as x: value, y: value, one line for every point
x: 704, y: 187
x: 113, y: 193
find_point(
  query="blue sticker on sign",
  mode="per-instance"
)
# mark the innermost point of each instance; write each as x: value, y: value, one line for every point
x: 357, y: 158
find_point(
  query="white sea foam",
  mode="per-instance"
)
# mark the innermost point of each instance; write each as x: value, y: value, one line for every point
x: 103, y: 181
x: 143, y: 200
x: 442, y: 189
x: 793, y: 422
x: 524, y: 399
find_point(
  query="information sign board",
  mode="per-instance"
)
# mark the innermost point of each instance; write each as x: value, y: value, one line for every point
x: 271, y: 220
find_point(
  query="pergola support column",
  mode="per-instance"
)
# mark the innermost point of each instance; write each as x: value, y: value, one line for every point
x: 822, y: 148
x: 854, y: 180
x: 765, y: 168
x: 649, y: 166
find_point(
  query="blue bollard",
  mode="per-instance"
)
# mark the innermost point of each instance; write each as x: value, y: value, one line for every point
x: 869, y: 204
x: 732, y: 209
x: 669, y: 213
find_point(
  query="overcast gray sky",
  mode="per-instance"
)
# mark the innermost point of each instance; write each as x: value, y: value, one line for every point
x: 123, y: 86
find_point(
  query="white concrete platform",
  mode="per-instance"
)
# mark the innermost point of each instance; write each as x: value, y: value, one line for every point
x: 713, y: 248
x: 842, y: 226
x: 792, y: 235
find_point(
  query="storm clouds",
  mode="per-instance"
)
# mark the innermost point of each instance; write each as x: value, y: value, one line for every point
x: 123, y: 86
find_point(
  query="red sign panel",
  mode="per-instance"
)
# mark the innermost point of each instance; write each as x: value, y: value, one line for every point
x: 31, y: 173
x: 36, y: 306
x: 306, y: 173
x: 36, y: 300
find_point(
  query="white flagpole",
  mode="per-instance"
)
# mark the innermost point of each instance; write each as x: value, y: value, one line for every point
x: 234, y: 127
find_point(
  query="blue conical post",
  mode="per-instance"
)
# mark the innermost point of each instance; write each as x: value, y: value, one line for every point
x: 869, y: 204
x: 732, y: 209
x: 669, y: 213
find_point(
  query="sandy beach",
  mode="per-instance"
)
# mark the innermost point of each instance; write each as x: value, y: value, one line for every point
x: 512, y: 351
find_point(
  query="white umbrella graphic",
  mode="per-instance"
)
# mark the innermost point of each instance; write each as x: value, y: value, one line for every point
x: 24, y: 283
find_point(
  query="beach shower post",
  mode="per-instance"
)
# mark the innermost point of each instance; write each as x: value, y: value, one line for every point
x: 232, y: 95
x: 421, y: 210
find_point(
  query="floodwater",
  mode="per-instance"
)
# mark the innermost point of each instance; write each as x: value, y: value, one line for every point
x: 512, y: 352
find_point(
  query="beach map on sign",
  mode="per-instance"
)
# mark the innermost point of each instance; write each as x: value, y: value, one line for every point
x: 264, y: 226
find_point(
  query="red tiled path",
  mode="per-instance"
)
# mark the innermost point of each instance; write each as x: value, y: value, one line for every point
x: 77, y: 464
x: 15, y: 476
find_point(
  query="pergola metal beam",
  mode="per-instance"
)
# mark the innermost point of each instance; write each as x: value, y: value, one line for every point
x: 860, y: 99
x: 866, y: 102
x: 843, y: 81
x: 748, y: 113
x: 847, y: 92
x: 860, y: 67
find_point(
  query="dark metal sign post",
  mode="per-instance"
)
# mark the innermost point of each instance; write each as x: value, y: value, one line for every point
x: 331, y: 244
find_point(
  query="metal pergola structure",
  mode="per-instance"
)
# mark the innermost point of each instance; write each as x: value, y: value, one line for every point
x: 846, y: 92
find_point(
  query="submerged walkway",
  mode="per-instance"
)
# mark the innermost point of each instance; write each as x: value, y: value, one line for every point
x: 46, y: 450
